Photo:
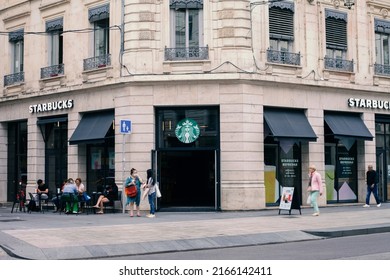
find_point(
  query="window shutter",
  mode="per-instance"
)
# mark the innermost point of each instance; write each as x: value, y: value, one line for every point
x: 336, y: 30
x: 186, y: 4
x: 281, y: 23
x: 382, y: 26
x: 99, y: 13
x: 54, y: 25
x: 15, y: 36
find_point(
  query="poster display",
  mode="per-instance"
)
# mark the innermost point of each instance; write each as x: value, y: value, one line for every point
x: 286, y: 198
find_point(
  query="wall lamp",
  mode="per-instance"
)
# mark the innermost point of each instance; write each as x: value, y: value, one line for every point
x: 349, y: 3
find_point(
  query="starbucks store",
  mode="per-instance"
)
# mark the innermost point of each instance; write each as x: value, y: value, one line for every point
x: 186, y: 158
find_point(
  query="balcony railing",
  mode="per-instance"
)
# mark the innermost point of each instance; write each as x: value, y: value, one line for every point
x: 97, y: 62
x: 283, y: 57
x: 198, y: 53
x: 13, y: 79
x: 52, y: 71
x: 382, y: 69
x: 338, y: 64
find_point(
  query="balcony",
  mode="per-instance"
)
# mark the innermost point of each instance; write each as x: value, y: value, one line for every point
x: 283, y: 57
x: 338, y: 64
x: 52, y: 71
x: 97, y: 62
x: 13, y: 79
x: 176, y: 54
x: 382, y: 69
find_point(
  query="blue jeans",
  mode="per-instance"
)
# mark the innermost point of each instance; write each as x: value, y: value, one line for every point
x: 314, y: 202
x: 373, y: 190
x: 152, y: 202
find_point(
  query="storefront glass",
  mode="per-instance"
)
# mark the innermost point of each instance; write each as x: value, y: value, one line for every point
x: 382, y: 138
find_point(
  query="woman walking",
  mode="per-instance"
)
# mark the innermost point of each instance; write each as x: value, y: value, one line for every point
x: 151, y: 189
x: 314, y: 188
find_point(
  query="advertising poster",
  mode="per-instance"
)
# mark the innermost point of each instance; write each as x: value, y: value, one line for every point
x: 286, y: 198
x: 96, y: 163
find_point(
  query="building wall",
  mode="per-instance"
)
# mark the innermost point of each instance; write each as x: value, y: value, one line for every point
x: 236, y: 77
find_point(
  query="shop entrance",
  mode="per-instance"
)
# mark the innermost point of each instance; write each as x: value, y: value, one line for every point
x: 187, y: 179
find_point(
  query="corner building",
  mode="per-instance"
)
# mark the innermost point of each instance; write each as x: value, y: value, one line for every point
x: 227, y: 100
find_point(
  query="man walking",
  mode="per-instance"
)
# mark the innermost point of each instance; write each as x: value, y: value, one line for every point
x: 372, y: 186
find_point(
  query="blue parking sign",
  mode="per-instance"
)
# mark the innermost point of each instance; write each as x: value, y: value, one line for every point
x: 125, y: 126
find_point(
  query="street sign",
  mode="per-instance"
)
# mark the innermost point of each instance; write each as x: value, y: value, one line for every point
x: 125, y: 126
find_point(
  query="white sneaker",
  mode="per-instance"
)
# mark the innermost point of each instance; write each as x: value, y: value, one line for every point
x: 366, y: 205
x: 316, y: 214
x: 150, y: 216
x: 379, y: 205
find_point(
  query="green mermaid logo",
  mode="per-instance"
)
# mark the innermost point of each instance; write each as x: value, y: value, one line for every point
x: 187, y: 131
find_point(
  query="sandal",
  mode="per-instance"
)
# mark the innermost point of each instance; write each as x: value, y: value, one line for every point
x: 95, y: 206
x: 100, y: 212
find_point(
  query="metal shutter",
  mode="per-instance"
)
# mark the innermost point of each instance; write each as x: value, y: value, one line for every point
x: 281, y: 24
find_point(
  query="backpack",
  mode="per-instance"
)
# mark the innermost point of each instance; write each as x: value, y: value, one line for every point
x: 32, y: 206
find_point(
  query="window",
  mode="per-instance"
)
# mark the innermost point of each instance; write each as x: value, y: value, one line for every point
x: 281, y: 26
x: 99, y: 17
x: 55, y: 28
x: 16, y: 39
x: 336, y: 41
x: 382, y: 47
x: 186, y: 30
x: 281, y: 33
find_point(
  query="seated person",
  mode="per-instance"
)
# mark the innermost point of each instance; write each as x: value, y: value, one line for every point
x: 42, y: 191
x: 110, y: 195
x: 57, y: 199
x: 69, y: 195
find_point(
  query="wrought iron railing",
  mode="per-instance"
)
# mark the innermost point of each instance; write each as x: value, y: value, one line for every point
x: 13, y: 79
x: 52, y: 71
x: 97, y: 62
x: 283, y: 57
x: 338, y: 64
x: 198, y: 53
x: 382, y: 69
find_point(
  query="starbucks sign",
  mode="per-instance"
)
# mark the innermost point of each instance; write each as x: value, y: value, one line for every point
x: 187, y: 131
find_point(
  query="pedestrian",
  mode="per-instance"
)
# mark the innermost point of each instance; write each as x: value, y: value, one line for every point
x: 372, y: 186
x: 151, y: 189
x: 314, y: 188
x: 134, y: 179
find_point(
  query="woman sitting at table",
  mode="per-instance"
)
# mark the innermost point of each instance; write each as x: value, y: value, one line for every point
x: 110, y: 195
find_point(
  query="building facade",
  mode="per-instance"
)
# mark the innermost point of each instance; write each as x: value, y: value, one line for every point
x: 228, y: 101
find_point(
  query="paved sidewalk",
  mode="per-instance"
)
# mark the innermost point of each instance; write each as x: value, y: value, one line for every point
x: 53, y: 236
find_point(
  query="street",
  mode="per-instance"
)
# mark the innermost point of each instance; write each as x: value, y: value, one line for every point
x: 361, y: 247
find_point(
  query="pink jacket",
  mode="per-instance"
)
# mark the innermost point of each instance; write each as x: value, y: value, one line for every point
x: 316, y: 182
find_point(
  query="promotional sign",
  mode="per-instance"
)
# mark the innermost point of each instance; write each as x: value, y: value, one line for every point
x: 286, y: 198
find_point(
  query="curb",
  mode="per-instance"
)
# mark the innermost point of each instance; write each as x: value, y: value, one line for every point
x: 351, y: 231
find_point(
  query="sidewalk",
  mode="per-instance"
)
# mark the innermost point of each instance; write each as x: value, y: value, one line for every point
x: 53, y: 236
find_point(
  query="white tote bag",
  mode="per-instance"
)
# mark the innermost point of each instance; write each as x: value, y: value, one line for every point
x: 158, y: 193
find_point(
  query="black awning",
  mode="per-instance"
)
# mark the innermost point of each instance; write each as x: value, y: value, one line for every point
x: 289, y: 124
x: 347, y: 125
x: 92, y: 128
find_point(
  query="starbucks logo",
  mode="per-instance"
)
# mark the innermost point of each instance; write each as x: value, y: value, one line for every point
x: 187, y: 131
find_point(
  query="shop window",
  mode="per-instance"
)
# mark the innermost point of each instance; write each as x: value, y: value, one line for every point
x: 207, y: 120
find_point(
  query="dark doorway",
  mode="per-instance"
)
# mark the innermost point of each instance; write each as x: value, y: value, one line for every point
x: 187, y: 178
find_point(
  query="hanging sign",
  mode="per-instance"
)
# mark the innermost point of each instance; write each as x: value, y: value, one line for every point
x: 187, y: 131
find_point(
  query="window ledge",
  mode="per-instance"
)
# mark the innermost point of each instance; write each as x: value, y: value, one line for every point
x: 14, y: 89
x: 97, y: 74
x: 339, y: 75
x: 381, y: 80
x: 281, y: 69
x: 185, y: 66
x: 53, y: 81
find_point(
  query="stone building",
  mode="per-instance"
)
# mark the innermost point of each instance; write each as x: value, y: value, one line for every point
x: 227, y: 100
